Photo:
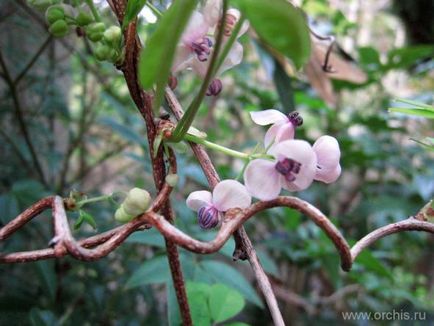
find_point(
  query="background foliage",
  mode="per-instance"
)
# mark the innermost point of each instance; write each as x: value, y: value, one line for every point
x: 88, y: 136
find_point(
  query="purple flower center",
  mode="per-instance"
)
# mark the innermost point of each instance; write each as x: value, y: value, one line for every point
x: 288, y: 168
x: 295, y: 119
x: 214, y: 88
x: 202, y: 48
x: 208, y: 217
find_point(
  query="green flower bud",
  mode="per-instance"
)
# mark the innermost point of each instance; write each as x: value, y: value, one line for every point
x: 83, y: 18
x: 102, y: 52
x: 137, y: 201
x: 95, y: 28
x: 54, y: 13
x: 122, y: 216
x: 113, y: 35
x: 172, y: 179
x: 59, y: 28
x: 113, y: 57
x: 95, y: 37
x: 40, y: 4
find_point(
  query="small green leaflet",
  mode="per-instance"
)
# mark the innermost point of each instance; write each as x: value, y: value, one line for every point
x: 417, y: 109
x: 159, y: 51
x: 281, y: 25
x: 84, y: 217
x: 133, y: 9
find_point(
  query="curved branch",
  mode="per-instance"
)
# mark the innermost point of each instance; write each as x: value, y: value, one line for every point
x: 410, y: 224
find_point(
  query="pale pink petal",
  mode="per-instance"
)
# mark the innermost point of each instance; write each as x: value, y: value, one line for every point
x: 301, y: 152
x: 328, y: 176
x: 196, y: 29
x: 212, y: 12
x: 230, y: 194
x: 268, y: 117
x: 199, y: 199
x: 199, y: 67
x: 278, y: 133
x: 327, y: 151
x: 233, y: 58
x: 243, y: 28
x: 262, y: 179
x: 182, y: 58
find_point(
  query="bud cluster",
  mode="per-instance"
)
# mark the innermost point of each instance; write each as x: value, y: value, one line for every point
x: 136, y: 203
x: 62, y: 18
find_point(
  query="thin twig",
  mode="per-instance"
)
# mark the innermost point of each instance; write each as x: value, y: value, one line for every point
x: 32, y: 60
x: 20, y: 117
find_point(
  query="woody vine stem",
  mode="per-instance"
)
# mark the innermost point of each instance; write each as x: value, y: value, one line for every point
x: 161, y: 216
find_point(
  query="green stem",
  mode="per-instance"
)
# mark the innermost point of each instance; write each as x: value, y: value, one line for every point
x: 154, y: 9
x: 226, y: 150
x: 229, y: 43
x: 216, y: 147
x: 93, y: 10
x: 186, y: 121
x: 83, y: 202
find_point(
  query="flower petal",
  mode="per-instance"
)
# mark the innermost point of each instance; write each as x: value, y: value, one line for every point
x: 328, y: 176
x: 262, y: 179
x: 212, y: 12
x: 199, y: 67
x: 198, y: 199
x: 278, y: 133
x: 301, y: 152
x: 230, y: 194
x: 268, y: 117
x: 197, y: 28
x: 182, y: 58
x: 327, y: 151
x: 233, y: 58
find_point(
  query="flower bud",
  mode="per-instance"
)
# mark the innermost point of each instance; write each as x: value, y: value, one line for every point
x: 95, y: 31
x: 172, y: 179
x: 137, y: 201
x: 40, y: 4
x: 54, y: 13
x: 59, y: 28
x: 83, y: 18
x: 214, y: 88
x: 102, y: 52
x: 113, y: 35
x: 123, y: 216
x: 96, y: 28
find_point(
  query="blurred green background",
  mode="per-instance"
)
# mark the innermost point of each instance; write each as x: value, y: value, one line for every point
x: 88, y: 136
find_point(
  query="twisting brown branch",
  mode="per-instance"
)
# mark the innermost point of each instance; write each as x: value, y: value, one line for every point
x: 243, y: 246
x: 410, y: 224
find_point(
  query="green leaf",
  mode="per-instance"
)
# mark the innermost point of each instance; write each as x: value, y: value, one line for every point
x: 427, y: 143
x: 133, y: 9
x: 373, y: 264
x: 415, y: 103
x: 153, y: 271
x: 224, y: 302
x: 198, y: 294
x: 228, y: 275
x: 149, y: 237
x: 47, y: 275
x: 426, y: 113
x: 159, y: 51
x: 84, y: 217
x: 281, y: 25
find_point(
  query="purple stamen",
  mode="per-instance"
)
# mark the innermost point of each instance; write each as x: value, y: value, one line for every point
x: 214, y: 88
x: 288, y: 167
x: 202, y: 48
x: 295, y: 119
x: 208, y: 217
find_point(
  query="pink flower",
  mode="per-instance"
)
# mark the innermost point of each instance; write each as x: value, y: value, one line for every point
x: 283, y: 127
x: 227, y: 194
x: 328, y: 155
x: 197, y: 41
x: 293, y: 168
